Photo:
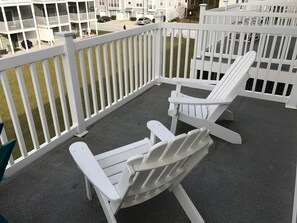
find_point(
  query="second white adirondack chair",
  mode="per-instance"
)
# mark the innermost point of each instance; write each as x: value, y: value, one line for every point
x: 135, y: 173
x: 205, y: 112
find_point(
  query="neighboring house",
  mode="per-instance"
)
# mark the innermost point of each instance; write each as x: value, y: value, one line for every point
x: 17, y: 25
x: 124, y: 9
x: 25, y: 23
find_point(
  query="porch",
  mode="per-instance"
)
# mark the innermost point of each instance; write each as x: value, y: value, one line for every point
x: 108, y: 85
x: 252, y: 182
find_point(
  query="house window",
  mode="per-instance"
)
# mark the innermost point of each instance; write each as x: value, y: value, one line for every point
x: 129, y: 3
x: 101, y: 2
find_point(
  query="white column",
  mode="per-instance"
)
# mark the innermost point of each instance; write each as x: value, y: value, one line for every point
x: 72, y: 82
x: 158, y: 48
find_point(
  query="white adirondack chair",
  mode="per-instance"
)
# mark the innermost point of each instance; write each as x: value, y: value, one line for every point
x: 137, y: 172
x: 205, y: 112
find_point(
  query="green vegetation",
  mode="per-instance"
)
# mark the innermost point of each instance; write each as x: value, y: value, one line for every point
x: 11, y: 74
x: 133, y: 18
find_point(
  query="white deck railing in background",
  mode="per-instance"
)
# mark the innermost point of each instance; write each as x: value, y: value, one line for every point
x: 247, y: 18
x: 270, y: 6
x: 54, y: 93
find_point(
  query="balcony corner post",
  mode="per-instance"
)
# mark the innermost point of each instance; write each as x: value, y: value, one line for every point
x: 201, y: 21
x: 72, y: 82
x: 226, y: 4
x: 158, y: 49
x: 292, y: 101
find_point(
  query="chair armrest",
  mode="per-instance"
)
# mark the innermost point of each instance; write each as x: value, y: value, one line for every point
x: 92, y: 170
x: 159, y: 130
x: 189, y: 81
x: 197, y: 101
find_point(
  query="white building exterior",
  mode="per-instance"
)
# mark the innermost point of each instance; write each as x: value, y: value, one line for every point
x: 36, y: 21
x: 124, y: 9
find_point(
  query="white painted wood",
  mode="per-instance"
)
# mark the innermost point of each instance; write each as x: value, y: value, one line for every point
x: 39, y: 100
x: 204, y: 112
x: 50, y: 93
x: 136, y: 60
x: 126, y: 74
x: 27, y: 107
x: 140, y: 60
x: 84, y: 83
x: 61, y: 93
x: 13, y: 113
x: 113, y: 72
x: 107, y: 74
x: 100, y: 78
x: 140, y: 168
x: 120, y: 75
x: 92, y: 80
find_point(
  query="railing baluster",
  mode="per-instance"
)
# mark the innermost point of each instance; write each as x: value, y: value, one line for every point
x: 92, y: 80
x: 130, y: 47
x: 150, y: 58
x: 107, y: 75
x: 136, y: 62
x: 164, y: 52
x: 126, y: 74
x: 178, y: 52
x: 145, y: 59
x: 39, y: 100
x: 27, y: 107
x: 187, y: 54
x: 84, y: 83
x: 100, y: 77
x: 113, y: 72
x: 51, y: 97
x: 140, y: 62
x: 171, y: 53
x: 61, y: 93
x: 120, y: 74
x: 13, y: 114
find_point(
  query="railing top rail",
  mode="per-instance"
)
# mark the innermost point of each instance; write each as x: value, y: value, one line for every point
x: 231, y: 28
x: 81, y: 44
x: 30, y: 57
x: 276, y: 3
x: 251, y: 13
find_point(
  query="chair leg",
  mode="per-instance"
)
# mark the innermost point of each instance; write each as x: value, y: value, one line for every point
x: 106, y: 207
x: 88, y: 189
x: 227, y: 115
x: 173, y: 124
x: 187, y: 204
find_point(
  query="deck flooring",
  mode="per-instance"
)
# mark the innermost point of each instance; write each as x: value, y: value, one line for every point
x: 248, y: 183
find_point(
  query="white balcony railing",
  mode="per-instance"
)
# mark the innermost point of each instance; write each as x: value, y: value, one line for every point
x: 28, y: 23
x: 54, y: 93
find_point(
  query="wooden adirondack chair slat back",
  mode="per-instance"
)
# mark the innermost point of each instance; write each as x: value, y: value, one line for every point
x: 166, y: 164
x: 231, y: 84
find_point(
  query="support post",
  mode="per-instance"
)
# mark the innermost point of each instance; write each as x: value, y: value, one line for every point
x: 72, y: 82
x: 158, y: 49
x: 226, y: 4
x: 201, y: 21
x: 292, y: 101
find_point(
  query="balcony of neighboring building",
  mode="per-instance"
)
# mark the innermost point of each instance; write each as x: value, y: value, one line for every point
x: 81, y: 11
x: 51, y: 14
x: 16, y: 18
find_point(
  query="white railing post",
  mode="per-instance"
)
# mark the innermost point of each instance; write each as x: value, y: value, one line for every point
x: 72, y: 82
x: 201, y: 21
x: 292, y: 101
x: 226, y: 4
x: 158, y: 49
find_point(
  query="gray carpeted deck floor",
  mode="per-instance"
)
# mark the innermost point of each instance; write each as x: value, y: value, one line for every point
x: 248, y: 183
